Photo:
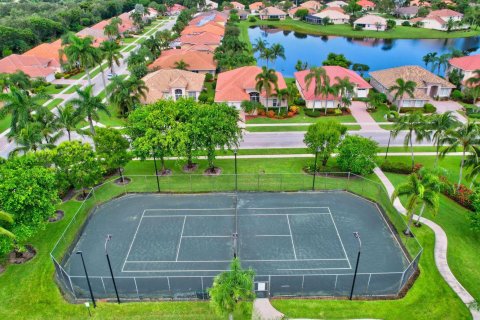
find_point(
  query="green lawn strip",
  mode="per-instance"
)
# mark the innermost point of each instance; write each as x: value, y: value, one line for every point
x: 72, y: 89
x: 463, y: 243
x: 5, y: 122
x: 55, y: 102
x: 302, y: 118
x: 114, y: 120
x: 291, y: 128
x: 386, y: 126
x: 129, y: 40
x: 78, y: 75
x: 399, y: 32
x: 130, y: 48
x: 97, y: 70
x: 379, y: 114
x: 51, y: 89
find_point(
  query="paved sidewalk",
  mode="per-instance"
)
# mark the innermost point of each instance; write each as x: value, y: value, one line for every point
x: 263, y: 310
x: 359, y: 112
x: 440, y: 252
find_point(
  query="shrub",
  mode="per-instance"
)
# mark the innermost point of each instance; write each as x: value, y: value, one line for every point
x: 203, y: 97
x: 294, y: 109
x: 59, y: 86
x: 462, y: 196
x: 274, y: 19
x: 358, y: 28
x: 270, y: 113
x: 261, y: 112
x: 312, y: 113
x: 406, y: 23
x: 392, y: 116
x: 290, y: 114
x: 399, y: 167
x: 409, y: 109
x: 299, y: 102
x: 457, y: 95
x: 208, y: 77
x: 429, y: 108
x: 252, y: 19
x: 357, y: 154
x: 338, y: 112
x: 58, y: 75
x: 250, y: 106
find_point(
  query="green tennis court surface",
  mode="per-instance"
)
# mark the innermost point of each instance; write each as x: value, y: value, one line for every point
x: 298, y: 244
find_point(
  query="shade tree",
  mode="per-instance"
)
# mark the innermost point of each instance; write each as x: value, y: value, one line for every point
x: 323, y: 138
x: 357, y: 154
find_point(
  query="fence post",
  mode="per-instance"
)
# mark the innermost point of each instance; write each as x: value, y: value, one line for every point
x: 281, y: 182
x: 258, y: 181
x: 348, y: 181
x: 190, y: 175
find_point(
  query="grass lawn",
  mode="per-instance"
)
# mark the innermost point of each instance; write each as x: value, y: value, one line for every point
x: 302, y: 118
x: 55, y: 102
x: 399, y: 32
x: 51, y: 89
x: 72, y: 89
x: 291, y: 128
x: 5, y: 122
x: 114, y: 120
x: 128, y: 40
x: 379, y: 114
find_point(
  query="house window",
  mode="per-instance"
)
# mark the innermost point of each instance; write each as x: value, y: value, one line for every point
x: 178, y: 94
x: 254, y: 96
x: 275, y: 103
x: 444, y: 92
x: 192, y: 94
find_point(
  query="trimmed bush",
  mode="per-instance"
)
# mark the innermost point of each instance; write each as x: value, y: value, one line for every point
x: 410, y: 109
x: 457, y: 95
x: 406, y: 23
x: 208, y: 77
x: 252, y: 19
x: 312, y: 113
x: 294, y: 109
x: 399, y: 167
x: 58, y: 75
x: 59, y: 86
x: 429, y: 108
x: 299, y: 101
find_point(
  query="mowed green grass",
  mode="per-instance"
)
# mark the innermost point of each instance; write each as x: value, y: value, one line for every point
x: 29, y: 292
x: 281, y: 128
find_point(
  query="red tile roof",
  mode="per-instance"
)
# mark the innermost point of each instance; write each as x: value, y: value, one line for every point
x: 467, y: 63
x: 293, y: 10
x: 47, y: 51
x: 176, y: 7
x: 366, y: 4
x: 332, y: 72
x: 196, y: 60
x: 256, y: 5
x: 444, y: 13
x: 32, y: 66
x: 233, y: 85
x: 211, y: 27
x: 201, y: 38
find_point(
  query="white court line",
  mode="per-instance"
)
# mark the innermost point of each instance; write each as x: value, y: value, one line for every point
x: 207, y: 261
x: 131, y: 243
x: 314, y: 269
x: 341, y: 242
x: 188, y: 209
x: 283, y: 208
x: 190, y: 215
x: 181, y: 236
x: 293, y: 245
x: 272, y: 235
x: 207, y: 236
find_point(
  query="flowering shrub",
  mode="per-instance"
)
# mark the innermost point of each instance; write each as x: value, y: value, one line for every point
x: 462, y: 196
x: 294, y: 109
x: 290, y: 114
x: 261, y: 112
x: 270, y: 113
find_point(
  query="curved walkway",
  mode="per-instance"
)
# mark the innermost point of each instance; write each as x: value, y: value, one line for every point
x: 441, y: 244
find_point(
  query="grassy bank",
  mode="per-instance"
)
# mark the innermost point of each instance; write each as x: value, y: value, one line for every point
x: 399, y: 32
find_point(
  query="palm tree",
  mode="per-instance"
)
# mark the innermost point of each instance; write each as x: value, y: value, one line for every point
x: 111, y: 53
x: 154, y: 46
x: 20, y: 80
x: 260, y: 45
x: 344, y: 88
x: 49, y: 126
x: 413, y: 123
x: 20, y: 104
x: 111, y: 30
x: 181, y: 65
x: 300, y: 66
x: 441, y: 62
x: 429, y: 58
x: 68, y: 119
x: 267, y: 81
x: 422, y: 191
x: 439, y: 124
x: 401, y: 89
x: 473, y: 85
x: 465, y: 137
x: 318, y: 75
x: 82, y: 52
x: 281, y: 95
x: 473, y: 162
x: 89, y: 105
x: 277, y: 51
x: 231, y: 288
x: 126, y: 94
x: 7, y: 217
x: 326, y: 90
x: 30, y: 138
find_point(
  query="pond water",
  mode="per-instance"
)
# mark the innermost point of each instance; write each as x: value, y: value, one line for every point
x: 376, y: 53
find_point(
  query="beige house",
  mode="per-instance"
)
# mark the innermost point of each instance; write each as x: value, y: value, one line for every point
x: 439, y: 19
x: 428, y: 85
x: 314, y: 5
x: 465, y: 65
x: 371, y: 22
x: 335, y: 15
x: 237, y: 5
x: 336, y: 4
x: 173, y: 84
x: 272, y: 13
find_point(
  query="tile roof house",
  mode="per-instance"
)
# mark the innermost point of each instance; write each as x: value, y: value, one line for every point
x: 420, y: 3
x: 429, y: 85
x: 237, y: 5
x: 35, y: 67
x: 97, y: 35
x: 272, y: 13
x: 256, y: 7
x: 407, y: 12
x: 211, y: 16
x: 371, y: 22
x: 438, y: 20
x: 292, y: 11
x: 361, y: 87
x: 173, y: 84
x: 197, y: 61
x: 338, y: 4
x: 366, y: 5
x: 127, y: 22
x: 211, y: 27
x: 209, y: 41
x: 335, y: 15
x: 48, y: 51
x: 209, y: 4
x: 314, y: 5
x: 465, y: 65
x: 238, y: 85
x: 175, y: 9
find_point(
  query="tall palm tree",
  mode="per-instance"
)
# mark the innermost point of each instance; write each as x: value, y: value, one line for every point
x: 277, y: 51
x: 20, y: 80
x: 267, y: 81
x: 439, y: 124
x: 111, y: 30
x: 326, y: 90
x: 473, y: 162
x: 282, y: 94
x: 429, y: 58
x: 29, y: 138
x: 473, y: 84
x: 422, y: 191
x: 153, y: 45
x: 344, y: 88
x: 49, y: 126
x: 259, y: 45
x: 181, y: 65
x: 68, y: 119
x: 441, y: 62
x: 8, y: 218
x: 417, y: 129
x: 81, y: 51
x: 88, y: 105
x: 465, y: 137
x: 20, y: 104
x: 127, y: 93
x: 402, y: 88
x: 318, y: 76
x: 111, y: 53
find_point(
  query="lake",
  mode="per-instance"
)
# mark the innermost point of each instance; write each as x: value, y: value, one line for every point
x: 376, y: 53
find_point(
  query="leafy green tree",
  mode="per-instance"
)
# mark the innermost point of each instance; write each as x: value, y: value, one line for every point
x: 439, y: 124
x: 88, y: 105
x: 153, y: 45
x: 402, y: 88
x: 334, y: 59
x: 231, y: 289
x: 417, y: 129
x: 267, y: 81
x: 20, y: 80
x: 419, y: 190
x: 357, y: 154
x: 68, y: 119
x: 223, y: 120
x: 28, y: 193
x: 112, y: 149
x: 360, y: 68
x: 353, y: 7
x: 323, y: 137
x: 301, y: 14
x: 300, y: 66
x: 81, y: 51
x: 464, y: 137
x: 77, y: 163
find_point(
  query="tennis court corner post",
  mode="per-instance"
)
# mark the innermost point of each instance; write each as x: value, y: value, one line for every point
x: 88, y: 279
x: 315, y: 168
x: 108, y: 238
x: 236, y: 172
x: 357, y: 236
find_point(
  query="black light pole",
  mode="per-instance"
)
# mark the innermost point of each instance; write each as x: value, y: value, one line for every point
x: 156, y: 170
x: 357, y: 236
x: 236, y: 176
x: 388, y: 145
x: 315, y: 168
x: 109, y: 237
x: 88, y: 280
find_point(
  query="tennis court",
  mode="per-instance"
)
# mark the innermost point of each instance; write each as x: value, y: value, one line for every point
x: 299, y: 244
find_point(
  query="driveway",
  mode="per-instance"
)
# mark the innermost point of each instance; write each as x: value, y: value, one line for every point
x: 449, y: 105
x: 364, y: 119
